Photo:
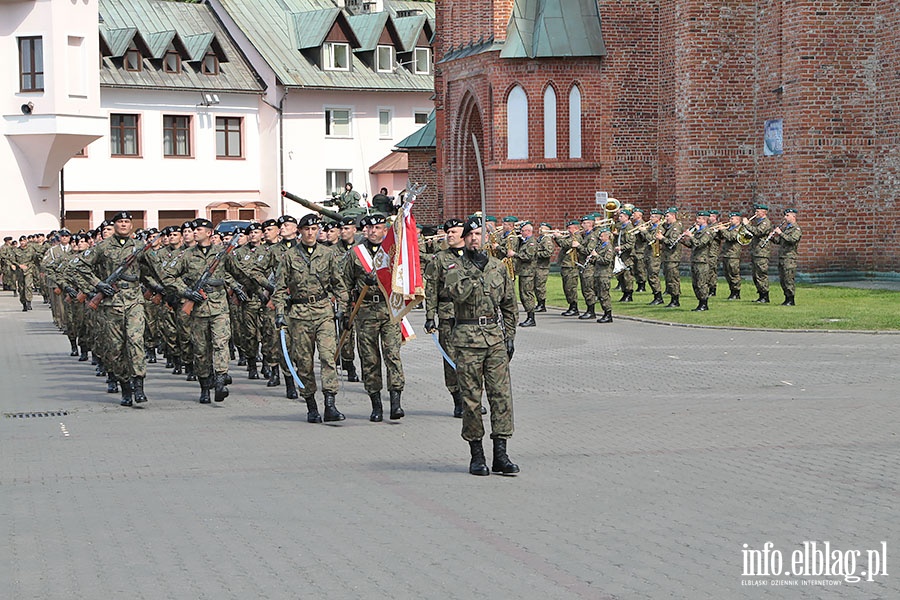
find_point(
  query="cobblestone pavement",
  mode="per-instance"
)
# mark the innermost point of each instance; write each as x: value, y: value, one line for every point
x: 650, y: 455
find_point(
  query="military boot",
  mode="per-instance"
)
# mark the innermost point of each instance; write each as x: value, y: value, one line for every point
x: 101, y: 370
x: 231, y: 350
x: 642, y: 287
x: 657, y: 299
x: 176, y: 363
x: 274, y: 377
x: 112, y: 384
x: 478, y: 464
x: 541, y: 306
x: 606, y: 318
x: 572, y: 312
x: 627, y: 297
x: 242, y: 358
x: 137, y: 385
x: 265, y: 371
x: 765, y: 298
x: 28, y: 305
x: 189, y: 371
x: 502, y: 464
x: 205, y: 385
x: 312, y: 411
x: 529, y: 321
x: 377, y: 415
x: 788, y: 301
x: 331, y: 411
x: 712, y: 291
x: 252, y: 373
x: 701, y: 306
x: 396, y: 409
x: 127, y: 398
x: 74, y: 345
x: 221, y: 387
x: 673, y: 302
x: 352, y: 375
x: 457, y: 404
x: 84, y: 355
x: 588, y: 314
x: 290, y: 389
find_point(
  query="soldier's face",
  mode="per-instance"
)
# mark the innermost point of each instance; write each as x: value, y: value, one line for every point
x: 348, y: 233
x: 202, y: 235
x: 123, y: 227
x: 736, y: 220
x: 333, y: 234
x: 604, y: 237
x: 760, y: 213
x: 187, y: 235
x: 256, y: 236
x: 288, y: 230
x: 309, y: 234
x: 572, y: 228
x: 507, y: 226
x: 375, y: 233
x: 454, y: 237
x: 654, y: 219
x: 670, y: 218
x: 271, y: 233
x: 790, y: 218
x: 107, y: 231
x: 713, y: 219
x: 473, y: 239
x: 702, y: 221
x: 527, y: 231
x: 175, y: 238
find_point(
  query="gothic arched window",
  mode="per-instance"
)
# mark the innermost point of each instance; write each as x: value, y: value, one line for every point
x: 549, y: 122
x: 575, y: 122
x: 517, y: 124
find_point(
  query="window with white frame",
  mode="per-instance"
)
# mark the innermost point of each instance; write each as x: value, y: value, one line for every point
x: 172, y: 61
x: 549, y: 122
x: 575, y: 122
x: 422, y: 61
x: 335, y: 180
x: 384, y: 123
x: 210, y: 64
x: 337, y: 122
x: 517, y: 124
x: 420, y: 117
x: 384, y: 59
x: 336, y: 56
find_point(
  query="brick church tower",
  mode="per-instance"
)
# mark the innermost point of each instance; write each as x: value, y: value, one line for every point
x: 666, y: 103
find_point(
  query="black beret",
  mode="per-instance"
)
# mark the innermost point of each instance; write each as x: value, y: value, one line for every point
x: 308, y: 220
x: 269, y: 223
x: 152, y: 231
x: 124, y: 214
x: 329, y: 226
x: 202, y: 223
x: 64, y: 231
x: 76, y: 238
x: 23, y: 237
x: 346, y: 221
x: 472, y: 223
x: 286, y: 219
x: 451, y: 223
x: 7, y: 238
x: 373, y: 219
x: 253, y: 227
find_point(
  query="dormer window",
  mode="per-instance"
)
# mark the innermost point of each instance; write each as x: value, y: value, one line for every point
x: 172, y: 62
x: 336, y: 56
x: 210, y: 65
x: 133, y: 60
x: 384, y: 59
x: 422, y: 61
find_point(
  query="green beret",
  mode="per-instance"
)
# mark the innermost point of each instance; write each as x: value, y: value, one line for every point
x: 626, y: 211
x: 524, y: 223
x: 790, y: 210
x: 672, y: 210
x: 547, y: 225
x: 491, y: 219
x: 714, y: 212
x: 655, y: 211
x: 636, y: 209
x: 734, y: 213
x: 761, y: 206
x: 606, y: 229
x: 574, y: 222
x: 510, y: 219
x: 702, y: 213
x: 587, y: 218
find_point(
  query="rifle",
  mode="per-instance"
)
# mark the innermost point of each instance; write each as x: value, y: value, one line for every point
x: 188, y: 305
x: 346, y: 333
x: 155, y: 298
x: 94, y: 302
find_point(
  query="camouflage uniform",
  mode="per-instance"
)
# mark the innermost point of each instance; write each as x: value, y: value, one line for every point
x: 251, y: 262
x: 479, y: 298
x: 625, y: 239
x: 348, y: 350
x: 715, y: 246
x: 439, y: 304
x: 759, y: 254
x: 731, y: 259
x: 568, y: 269
x: 6, y: 251
x: 603, y: 270
x: 544, y: 253
x: 652, y: 257
x: 526, y: 270
x: 587, y: 272
x: 24, y: 277
x: 639, y: 254
x: 699, y: 245
x: 787, y: 259
x: 670, y: 251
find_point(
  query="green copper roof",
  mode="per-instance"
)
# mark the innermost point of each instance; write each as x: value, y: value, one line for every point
x: 554, y: 28
x: 426, y: 137
x: 368, y: 28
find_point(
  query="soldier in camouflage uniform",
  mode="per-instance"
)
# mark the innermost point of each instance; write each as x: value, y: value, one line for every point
x: 788, y: 237
x: 68, y: 279
x: 603, y: 257
x: 671, y: 255
x: 210, y: 321
x: 731, y: 255
x: 525, y: 256
x: 349, y: 238
x: 23, y: 259
x: 568, y: 265
x: 587, y: 269
x: 653, y: 255
x: 6, y: 270
x: 153, y: 299
x: 52, y: 264
x: 439, y: 304
x: 378, y: 339
x: 639, y: 252
x: 545, y: 251
x: 306, y: 280
x: 122, y: 306
x: 760, y: 227
x: 251, y: 260
x: 698, y: 239
x: 715, y: 247
x: 484, y: 305
x: 625, y: 240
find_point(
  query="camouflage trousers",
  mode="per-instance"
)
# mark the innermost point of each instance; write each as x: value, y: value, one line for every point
x: 168, y: 333
x: 540, y: 284
x: 183, y: 329
x: 348, y: 350
x: 268, y: 337
x: 587, y: 286
x: 81, y: 323
x: 249, y: 330
x: 68, y: 315
x: 151, y: 319
x: 700, y: 280
x: 570, y: 283
x: 626, y: 277
x: 652, y: 265
x: 210, y: 336
x: 25, y: 281
x: 485, y: 369
x: 236, y: 320
x: 731, y: 269
x: 760, y: 273
x: 713, y: 280
x: 601, y: 288
x: 378, y: 340
x: 305, y: 337
x: 673, y: 278
x: 450, y: 378
x: 123, y: 330
x: 639, y: 268
x: 526, y: 292
x: 787, y: 272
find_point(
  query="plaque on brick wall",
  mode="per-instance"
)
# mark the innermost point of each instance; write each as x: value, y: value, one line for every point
x: 773, y: 138
x: 601, y: 197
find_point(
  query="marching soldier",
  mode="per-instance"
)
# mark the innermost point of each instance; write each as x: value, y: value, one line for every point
x: 760, y: 227
x: 310, y: 276
x: 6, y: 262
x: 639, y: 252
x: 269, y: 344
x: 625, y: 239
x: 603, y: 258
x: 287, y: 227
x: 586, y: 269
x: 378, y: 339
x: 349, y: 238
x: 544, y: 253
x: 731, y: 255
x: 23, y: 260
x: 484, y: 305
x: 653, y: 255
x: 525, y: 256
x: 715, y: 246
x: 568, y: 265
x: 698, y: 240
x: 671, y: 255
x: 250, y: 261
x: 788, y: 238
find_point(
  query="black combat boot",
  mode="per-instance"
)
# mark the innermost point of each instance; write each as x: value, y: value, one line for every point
x: 265, y: 371
x: 701, y: 305
x: 457, y: 404
x: 627, y: 297
x: 231, y: 349
x: 189, y: 371
x: 74, y: 345
x: 94, y: 360
x: 169, y: 362
x: 712, y: 291
x: 312, y: 411
x: 242, y: 358
x: 205, y: 386
x: 788, y: 301
x: 396, y: 409
x: 290, y: 388
x: 112, y: 384
x: 572, y: 312
x: 529, y: 321
x: 252, y: 373
x: 606, y: 318
x: 84, y: 355
x: 478, y: 465
x: 352, y: 375
x: 221, y: 387
x: 657, y: 299
x: 331, y: 411
x: 101, y: 370
x: 765, y: 298
x: 377, y: 415
x: 541, y: 306
x: 673, y: 302
x: 137, y: 386
x: 588, y: 314
x: 502, y: 464
x: 24, y: 307
x: 642, y: 287
x: 274, y: 377
x: 127, y: 398
x: 176, y: 363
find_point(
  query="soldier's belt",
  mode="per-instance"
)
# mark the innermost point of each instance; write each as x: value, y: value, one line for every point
x: 131, y: 278
x: 445, y: 299
x: 481, y: 321
x: 309, y: 299
x: 214, y: 283
x: 373, y: 298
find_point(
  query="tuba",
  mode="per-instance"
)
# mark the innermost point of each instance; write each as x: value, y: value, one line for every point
x: 744, y: 235
x: 611, y: 207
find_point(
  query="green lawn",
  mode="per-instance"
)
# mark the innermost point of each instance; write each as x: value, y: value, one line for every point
x: 818, y: 307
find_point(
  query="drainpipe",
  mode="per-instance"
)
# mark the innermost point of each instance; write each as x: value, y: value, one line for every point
x: 281, y: 147
x: 62, y: 198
